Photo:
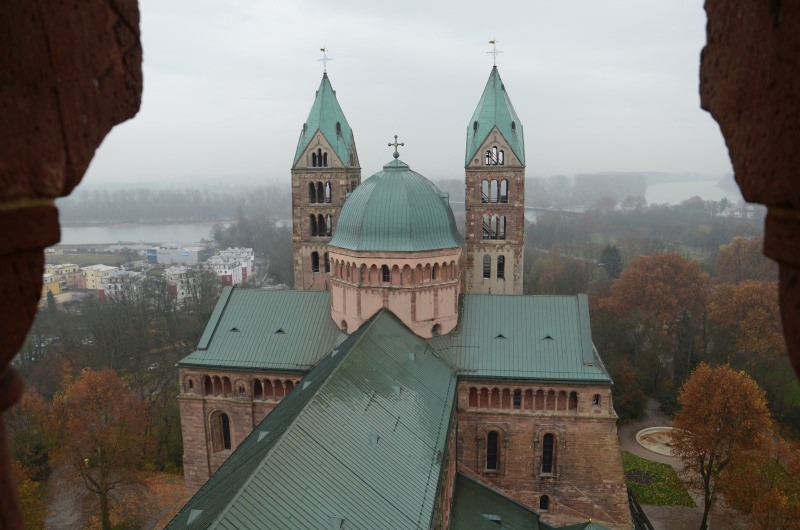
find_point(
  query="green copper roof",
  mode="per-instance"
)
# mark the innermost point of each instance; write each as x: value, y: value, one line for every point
x: 357, y: 444
x: 524, y: 337
x: 324, y: 116
x: 478, y: 507
x: 396, y: 210
x: 495, y: 110
x: 268, y: 330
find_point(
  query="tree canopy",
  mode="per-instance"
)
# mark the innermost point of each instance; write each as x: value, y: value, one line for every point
x: 723, y: 416
x: 102, y: 426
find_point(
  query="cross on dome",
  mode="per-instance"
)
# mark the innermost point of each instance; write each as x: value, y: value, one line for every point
x: 494, y: 51
x: 396, y: 145
x: 324, y: 60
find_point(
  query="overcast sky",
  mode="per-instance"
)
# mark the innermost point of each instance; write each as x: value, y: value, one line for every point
x: 598, y: 86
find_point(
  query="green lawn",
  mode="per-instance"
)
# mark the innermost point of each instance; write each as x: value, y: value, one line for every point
x: 654, y: 483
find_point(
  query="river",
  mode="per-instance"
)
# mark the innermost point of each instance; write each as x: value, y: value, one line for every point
x: 677, y: 192
x: 180, y: 233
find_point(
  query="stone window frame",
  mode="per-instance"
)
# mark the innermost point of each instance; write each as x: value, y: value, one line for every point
x: 220, y: 431
x: 481, y: 441
x: 559, y: 434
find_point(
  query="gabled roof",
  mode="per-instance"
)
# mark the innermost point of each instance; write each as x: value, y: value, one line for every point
x: 495, y: 110
x: 396, y: 210
x: 358, y: 443
x: 324, y: 116
x: 524, y: 337
x: 267, y: 330
x: 479, y: 507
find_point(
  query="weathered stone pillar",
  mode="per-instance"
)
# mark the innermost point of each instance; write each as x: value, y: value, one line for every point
x: 750, y: 83
x: 69, y: 72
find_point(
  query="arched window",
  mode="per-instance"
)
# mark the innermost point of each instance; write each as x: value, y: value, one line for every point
x: 501, y: 227
x: 506, y: 402
x: 548, y: 454
x: 324, y: 159
x: 487, y: 267
x: 327, y: 262
x: 327, y: 192
x: 385, y: 275
x: 313, y: 159
x: 487, y: 227
x: 484, y: 398
x: 320, y: 192
x: 493, y: 191
x: 544, y: 503
x: 226, y: 387
x: 596, y: 400
x: 319, y: 158
x: 517, y: 399
x: 501, y: 158
x: 501, y: 267
x: 269, y: 391
x: 312, y: 192
x: 220, y: 432
x: 217, y: 386
x: 484, y: 191
x: 528, y: 400
x: 315, y: 262
x: 562, y: 401
x: 539, y: 405
x: 551, y: 400
x: 435, y: 272
x: 473, y: 397
x: 504, y: 190
x: 289, y: 386
x: 208, y: 387
x: 573, y: 401
x: 258, y: 390
x: 495, y: 398
x: 493, y: 227
x: 329, y: 225
x: 279, y: 389
x: 492, y: 451
x: 313, y: 225
x: 320, y: 225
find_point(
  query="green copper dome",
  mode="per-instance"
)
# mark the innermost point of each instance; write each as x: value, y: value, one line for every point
x: 396, y: 210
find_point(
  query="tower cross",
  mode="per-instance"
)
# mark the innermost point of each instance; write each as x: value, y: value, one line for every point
x: 396, y: 145
x: 494, y: 51
x: 324, y: 60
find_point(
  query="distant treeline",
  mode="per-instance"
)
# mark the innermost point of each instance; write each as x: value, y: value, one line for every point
x: 102, y: 206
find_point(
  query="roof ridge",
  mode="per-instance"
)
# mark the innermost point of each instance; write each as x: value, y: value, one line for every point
x: 282, y: 437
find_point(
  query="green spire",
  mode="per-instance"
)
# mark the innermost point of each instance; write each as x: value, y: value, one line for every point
x: 495, y: 110
x: 327, y: 117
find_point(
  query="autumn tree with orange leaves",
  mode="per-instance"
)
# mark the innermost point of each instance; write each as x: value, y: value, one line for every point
x: 102, y: 426
x: 723, y: 418
x: 747, y: 321
x: 766, y: 487
x: 661, y: 300
x: 742, y: 259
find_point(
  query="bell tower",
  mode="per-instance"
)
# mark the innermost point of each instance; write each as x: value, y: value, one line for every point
x: 324, y: 171
x: 495, y: 194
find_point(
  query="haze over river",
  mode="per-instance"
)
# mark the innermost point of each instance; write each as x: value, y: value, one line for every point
x: 180, y: 233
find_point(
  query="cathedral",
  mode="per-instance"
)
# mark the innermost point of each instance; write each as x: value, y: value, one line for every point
x: 405, y: 382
